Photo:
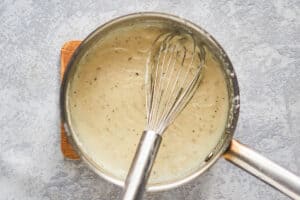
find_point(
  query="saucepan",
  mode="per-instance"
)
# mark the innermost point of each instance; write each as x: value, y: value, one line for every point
x: 227, y: 147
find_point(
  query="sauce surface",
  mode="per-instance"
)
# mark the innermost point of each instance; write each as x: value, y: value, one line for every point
x: 107, y: 108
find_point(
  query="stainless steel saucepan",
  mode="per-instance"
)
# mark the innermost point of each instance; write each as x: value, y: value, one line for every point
x: 229, y: 148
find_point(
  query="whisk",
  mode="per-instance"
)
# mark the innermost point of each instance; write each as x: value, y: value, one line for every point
x: 173, y: 73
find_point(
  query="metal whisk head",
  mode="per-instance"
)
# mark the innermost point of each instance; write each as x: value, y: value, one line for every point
x: 173, y: 74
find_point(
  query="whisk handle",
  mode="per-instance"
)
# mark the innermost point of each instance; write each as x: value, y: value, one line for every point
x: 141, y: 165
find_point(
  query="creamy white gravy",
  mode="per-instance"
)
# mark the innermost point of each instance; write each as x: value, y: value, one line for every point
x: 107, y: 108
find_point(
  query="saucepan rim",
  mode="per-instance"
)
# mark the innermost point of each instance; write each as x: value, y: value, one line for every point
x: 230, y: 75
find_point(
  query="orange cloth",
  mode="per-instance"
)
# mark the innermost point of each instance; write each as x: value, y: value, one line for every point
x: 66, y: 52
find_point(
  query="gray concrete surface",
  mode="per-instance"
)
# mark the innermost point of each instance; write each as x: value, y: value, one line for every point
x: 261, y: 37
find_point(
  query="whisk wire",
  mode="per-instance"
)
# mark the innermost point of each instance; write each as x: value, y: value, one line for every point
x: 159, y: 78
x: 158, y: 103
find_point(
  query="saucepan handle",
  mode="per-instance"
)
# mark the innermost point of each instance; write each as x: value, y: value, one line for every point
x: 263, y: 168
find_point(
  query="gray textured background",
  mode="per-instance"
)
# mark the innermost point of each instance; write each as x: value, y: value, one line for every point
x: 262, y: 38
